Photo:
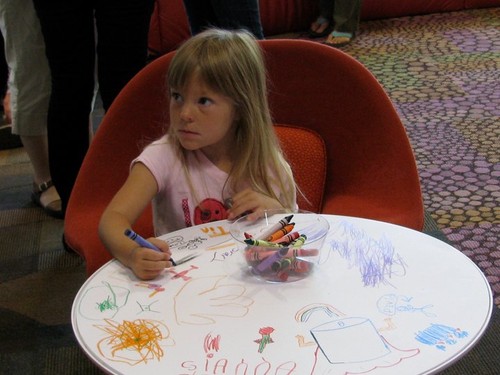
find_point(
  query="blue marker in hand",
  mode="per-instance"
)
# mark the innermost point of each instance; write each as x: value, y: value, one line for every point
x: 142, y: 242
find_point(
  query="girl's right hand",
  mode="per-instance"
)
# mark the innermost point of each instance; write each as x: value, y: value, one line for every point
x: 148, y: 264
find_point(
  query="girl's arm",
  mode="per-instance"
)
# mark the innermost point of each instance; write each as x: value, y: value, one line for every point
x: 121, y: 213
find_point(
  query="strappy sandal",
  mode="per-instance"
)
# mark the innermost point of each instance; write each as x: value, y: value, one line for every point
x: 53, y: 208
x: 320, y: 21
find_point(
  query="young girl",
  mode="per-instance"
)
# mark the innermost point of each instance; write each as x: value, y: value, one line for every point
x: 219, y: 159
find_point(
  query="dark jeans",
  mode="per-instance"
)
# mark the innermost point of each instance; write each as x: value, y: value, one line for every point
x: 345, y: 14
x: 226, y: 14
x: 118, y: 39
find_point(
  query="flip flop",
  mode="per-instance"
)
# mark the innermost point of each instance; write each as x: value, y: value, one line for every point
x: 338, y: 39
x: 320, y: 21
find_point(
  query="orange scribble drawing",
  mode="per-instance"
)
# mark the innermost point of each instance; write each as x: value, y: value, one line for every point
x: 134, y: 342
x: 211, y: 232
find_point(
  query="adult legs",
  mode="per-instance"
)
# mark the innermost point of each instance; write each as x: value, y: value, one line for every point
x: 122, y: 29
x: 346, y: 15
x: 322, y: 25
x: 346, y: 20
x: 227, y: 14
x: 237, y: 14
x: 68, y: 30
x: 200, y: 15
x: 29, y: 88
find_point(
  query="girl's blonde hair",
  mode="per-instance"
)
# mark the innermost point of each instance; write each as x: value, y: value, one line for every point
x: 231, y: 63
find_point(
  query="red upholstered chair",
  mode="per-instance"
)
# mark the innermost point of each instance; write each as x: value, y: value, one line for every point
x: 346, y: 144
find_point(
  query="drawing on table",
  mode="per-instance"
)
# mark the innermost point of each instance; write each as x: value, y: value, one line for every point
x: 333, y: 335
x: 392, y: 304
x: 103, y: 301
x: 214, y: 300
x: 305, y: 313
x: 389, y: 325
x: 375, y: 259
x: 147, y: 308
x: 223, y: 245
x: 221, y: 256
x: 265, y: 338
x: 155, y: 287
x: 134, y: 342
x: 178, y: 242
x: 301, y: 341
x: 181, y: 274
x: 211, y: 344
x: 215, y: 232
x: 440, y: 336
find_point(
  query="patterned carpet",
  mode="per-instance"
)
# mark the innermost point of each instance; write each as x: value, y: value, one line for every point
x: 442, y: 73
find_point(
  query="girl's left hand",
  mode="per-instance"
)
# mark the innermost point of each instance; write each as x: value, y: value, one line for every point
x: 249, y: 200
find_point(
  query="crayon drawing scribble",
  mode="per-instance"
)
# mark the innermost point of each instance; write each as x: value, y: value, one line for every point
x: 392, y: 304
x: 440, y: 336
x: 133, y: 342
x: 265, y: 338
x: 211, y: 343
x: 178, y: 242
x: 155, y: 287
x: 376, y: 260
x: 108, y: 304
x: 147, y: 308
x: 103, y: 301
x: 207, y: 300
x: 368, y: 349
x: 217, y: 232
x: 182, y: 274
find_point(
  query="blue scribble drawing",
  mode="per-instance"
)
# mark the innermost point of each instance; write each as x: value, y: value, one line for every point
x: 440, y: 336
x: 376, y: 259
x: 391, y: 304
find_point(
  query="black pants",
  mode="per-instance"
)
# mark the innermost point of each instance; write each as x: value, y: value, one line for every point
x: 226, y: 14
x: 76, y: 32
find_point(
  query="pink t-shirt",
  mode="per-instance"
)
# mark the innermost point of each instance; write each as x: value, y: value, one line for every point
x: 175, y: 206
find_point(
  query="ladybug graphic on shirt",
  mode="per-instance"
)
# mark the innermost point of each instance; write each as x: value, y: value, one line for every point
x: 209, y: 210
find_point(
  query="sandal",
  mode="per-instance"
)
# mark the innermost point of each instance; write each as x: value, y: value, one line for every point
x: 338, y: 39
x: 53, y: 208
x: 319, y: 23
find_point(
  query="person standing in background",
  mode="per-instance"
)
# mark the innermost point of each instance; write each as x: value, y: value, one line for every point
x: 78, y: 33
x: 226, y: 14
x: 28, y: 94
x: 339, y: 19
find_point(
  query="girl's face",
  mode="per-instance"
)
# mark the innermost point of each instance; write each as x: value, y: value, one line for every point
x: 203, y: 119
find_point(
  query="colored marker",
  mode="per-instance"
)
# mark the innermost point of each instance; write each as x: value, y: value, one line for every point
x: 266, y: 263
x: 280, y: 224
x: 299, y: 241
x: 280, y: 232
x: 143, y: 242
x: 255, y: 255
x: 287, y: 238
x: 253, y: 242
x: 281, y: 264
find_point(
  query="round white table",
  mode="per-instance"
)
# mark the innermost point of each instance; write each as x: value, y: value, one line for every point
x: 384, y: 300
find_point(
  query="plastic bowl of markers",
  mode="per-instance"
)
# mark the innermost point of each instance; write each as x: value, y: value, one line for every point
x: 281, y: 246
